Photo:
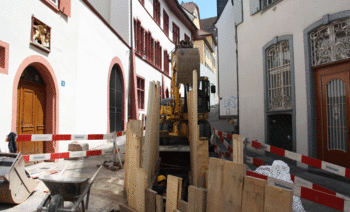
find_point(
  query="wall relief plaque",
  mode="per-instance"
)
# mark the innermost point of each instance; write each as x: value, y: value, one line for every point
x: 40, y: 35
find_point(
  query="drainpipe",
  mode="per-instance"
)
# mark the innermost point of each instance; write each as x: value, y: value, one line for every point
x: 236, y: 40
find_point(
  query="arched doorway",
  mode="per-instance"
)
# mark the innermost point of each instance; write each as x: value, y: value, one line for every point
x: 116, y: 100
x: 31, y: 105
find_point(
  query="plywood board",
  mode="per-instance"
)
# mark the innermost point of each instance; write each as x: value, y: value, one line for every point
x: 159, y: 203
x: 196, y: 199
x: 233, y: 183
x: 253, y: 194
x: 151, y: 144
x: 173, y: 193
x: 202, y: 162
x: 215, y: 194
x: 182, y: 205
x: 133, y: 127
x: 278, y: 199
x: 235, y: 148
x: 141, y: 179
x: 132, y: 167
x: 239, y: 148
x: 150, y: 200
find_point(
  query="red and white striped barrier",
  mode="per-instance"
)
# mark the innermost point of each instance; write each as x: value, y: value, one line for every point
x: 307, y: 193
x: 302, y: 188
x: 66, y: 137
x: 297, y: 180
x: 61, y: 155
x: 342, y: 171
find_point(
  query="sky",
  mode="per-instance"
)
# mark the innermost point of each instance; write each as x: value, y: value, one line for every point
x: 207, y: 8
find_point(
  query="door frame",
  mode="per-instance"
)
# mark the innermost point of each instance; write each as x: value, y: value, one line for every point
x: 319, y: 136
x: 312, y: 145
x: 52, y: 97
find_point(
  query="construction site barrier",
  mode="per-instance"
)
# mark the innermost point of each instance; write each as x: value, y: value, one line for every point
x: 68, y: 137
x: 302, y: 188
x: 62, y: 155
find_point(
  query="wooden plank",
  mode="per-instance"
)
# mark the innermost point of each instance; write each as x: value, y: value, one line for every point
x: 233, y: 183
x: 196, y: 199
x: 141, y: 179
x: 182, y: 205
x: 215, y: 186
x: 125, y: 208
x: 173, y: 193
x: 159, y: 203
x: 133, y: 127
x: 253, y: 194
x: 202, y: 162
x: 234, y: 148
x: 240, y: 148
x: 133, y: 166
x: 278, y: 199
x: 150, y: 200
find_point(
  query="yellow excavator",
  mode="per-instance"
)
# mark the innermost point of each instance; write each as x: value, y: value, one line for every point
x: 173, y: 111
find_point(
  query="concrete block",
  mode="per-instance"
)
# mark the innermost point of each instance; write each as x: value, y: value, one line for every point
x: 77, y: 146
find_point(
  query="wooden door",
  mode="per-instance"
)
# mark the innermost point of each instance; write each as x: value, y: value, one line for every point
x: 333, y: 113
x: 30, y: 115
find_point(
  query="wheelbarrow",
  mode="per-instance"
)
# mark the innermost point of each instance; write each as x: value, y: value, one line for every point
x: 66, y: 189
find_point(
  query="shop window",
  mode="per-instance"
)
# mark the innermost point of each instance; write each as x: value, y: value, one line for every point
x: 141, y: 92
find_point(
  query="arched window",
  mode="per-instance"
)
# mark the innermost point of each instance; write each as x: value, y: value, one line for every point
x: 116, y: 100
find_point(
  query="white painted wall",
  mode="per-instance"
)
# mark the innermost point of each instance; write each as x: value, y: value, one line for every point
x: 82, y: 48
x: 287, y: 17
x: 143, y: 69
x: 227, y: 70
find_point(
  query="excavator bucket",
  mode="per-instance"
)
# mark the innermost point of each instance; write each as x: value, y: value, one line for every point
x: 15, y: 185
x: 187, y: 60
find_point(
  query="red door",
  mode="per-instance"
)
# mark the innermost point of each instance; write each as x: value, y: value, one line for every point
x: 333, y: 117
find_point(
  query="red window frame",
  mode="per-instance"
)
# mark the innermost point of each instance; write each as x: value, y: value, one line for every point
x: 187, y: 38
x: 156, y: 11
x: 165, y: 23
x: 176, y: 33
x: 166, y: 62
x: 140, y: 92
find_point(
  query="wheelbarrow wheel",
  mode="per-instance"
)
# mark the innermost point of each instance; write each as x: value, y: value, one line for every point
x: 56, y: 203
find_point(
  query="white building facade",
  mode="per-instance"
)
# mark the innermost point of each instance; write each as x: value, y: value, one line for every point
x: 57, y: 60
x: 158, y: 25
x: 293, y: 59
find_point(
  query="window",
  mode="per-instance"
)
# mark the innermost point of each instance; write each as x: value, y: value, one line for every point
x: 152, y: 51
x: 63, y: 6
x: 116, y: 99
x: 266, y: 3
x: 139, y: 38
x: 158, y: 55
x: 176, y: 34
x: 156, y: 11
x: 141, y: 92
x: 55, y: 2
x: 278, y: 77
x: 166, y: 62
x: 330, y: 43
x: 187, y: 38
x: 4, y: 57
x: 165, y: 23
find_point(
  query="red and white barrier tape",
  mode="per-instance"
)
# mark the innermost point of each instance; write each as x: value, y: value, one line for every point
x: 306, y: 190
x: 61, y: 155
x: 297, y: 180
x: 342, y: 171
x: 307, y: 193
x: 66, y: 137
